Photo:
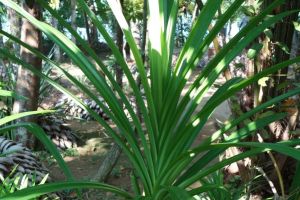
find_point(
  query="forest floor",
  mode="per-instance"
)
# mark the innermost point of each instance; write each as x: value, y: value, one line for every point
x: 85, y: 160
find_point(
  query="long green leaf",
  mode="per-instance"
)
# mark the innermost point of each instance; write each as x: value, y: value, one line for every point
x: 177, y: 193
x: 86, y: 66
x: 209, y: 188
x: 190, y: 102
x: 117, y: 54
x: 170, y: 172
x: 209, y: 80
x: 237, y: 135
x: 23, y: 114
x: 38, y: 190
x: 115, y: 136
x: 6, y: 93
x: 167, y: 144
x: 150, y: 157
x: 227, y: 53
x: 177, y: 84
x: 258, y: 147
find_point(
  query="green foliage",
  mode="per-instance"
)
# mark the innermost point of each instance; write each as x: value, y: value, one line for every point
x: 54, y: 4
x: 12, y: 183
x: 297, y: 25
x: 254, y: 51
x: 133, y: 9
x: 165, y: 162
x: 34, y: 129
x: 186, y: 5
x: 36, y: 191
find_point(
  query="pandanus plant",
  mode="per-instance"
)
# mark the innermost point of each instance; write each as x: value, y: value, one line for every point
x: 160, y: 149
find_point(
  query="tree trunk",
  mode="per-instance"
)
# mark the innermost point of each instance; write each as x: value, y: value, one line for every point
x: 27, y: 83
x: 283, y: 33
x: 73, y: 18
x: 294, y: 53
x: 199, y: 5
x: 93, y: 30
x: 1, y: 38
x: 118, y: 70
x: 107, y: 165
x: 87, y: 27
x: 57, y: 52
x: 14, y: 22
x: 2, y: 65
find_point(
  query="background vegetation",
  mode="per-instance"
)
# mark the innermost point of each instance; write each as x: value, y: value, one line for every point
x: 152, y: 74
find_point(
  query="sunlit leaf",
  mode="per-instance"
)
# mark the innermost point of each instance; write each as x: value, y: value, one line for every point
x: 254, y: 50
x: 297, y: 26
x: 263, y: 81
x: 24, y: 114
x: 6, y: 93
x: 269, y: 33
x: 283, y: 47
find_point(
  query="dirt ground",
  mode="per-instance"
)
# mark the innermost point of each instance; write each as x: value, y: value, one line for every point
x: 85, y: 160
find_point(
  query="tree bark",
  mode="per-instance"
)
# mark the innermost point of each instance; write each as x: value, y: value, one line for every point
x: 199, y: 5
x: 283, y: 33
x: 57, y: 52
x: 28, y: 83
x: 118, y: 70
x: 87, y: 27
x: 73, y: 18
x: 1, y: 38
x: 14, y: 22
x: 107, y: 165
x: 93, y: 30
x: 2, y: 65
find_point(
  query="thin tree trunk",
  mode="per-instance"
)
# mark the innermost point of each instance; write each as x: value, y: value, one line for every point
x: 294, y: 53
x: 199, y: 5
x: 2, y: 65
x: 118, y: 70
x: 109, y: 162
x: 73, y: 18
x: 14, y: 22
x: 28, y: 83
x: 57, y: 52
x: 94, y: 36
x: 87, y: 27
x: 93, y: 30
x: 1, y: 38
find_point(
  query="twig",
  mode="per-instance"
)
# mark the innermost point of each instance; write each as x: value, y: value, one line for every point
x: 260, y: 139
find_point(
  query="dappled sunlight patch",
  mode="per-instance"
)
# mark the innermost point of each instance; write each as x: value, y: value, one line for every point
x: 188, y: 74
x: 196, y: 122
